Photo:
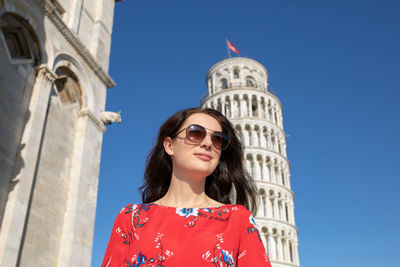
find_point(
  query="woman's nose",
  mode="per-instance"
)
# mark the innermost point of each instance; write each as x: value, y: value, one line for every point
x: 207, y: 142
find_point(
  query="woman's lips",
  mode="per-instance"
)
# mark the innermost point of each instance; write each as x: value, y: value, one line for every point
x: 203, y: 156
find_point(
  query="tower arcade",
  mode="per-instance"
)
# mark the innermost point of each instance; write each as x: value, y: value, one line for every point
x: 238, y: 88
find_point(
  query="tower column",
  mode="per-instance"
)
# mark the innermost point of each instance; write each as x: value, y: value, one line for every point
x: 276, y: 208
x: 271, y: 241
x: 250, y: 110
x: 279, y: 245
x: 296, y: 252
x: 287, y: 251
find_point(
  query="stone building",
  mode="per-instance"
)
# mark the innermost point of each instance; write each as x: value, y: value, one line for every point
x: 54, y: 57
x: 238, y: 88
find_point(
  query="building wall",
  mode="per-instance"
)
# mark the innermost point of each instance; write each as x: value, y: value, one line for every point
x: 15, y: 94
x: 50, y: 149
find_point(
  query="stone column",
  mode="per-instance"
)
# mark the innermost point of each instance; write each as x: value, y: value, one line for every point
x: 268, y: 171
x: 265, y: 240
x: 287, y: 251
x: 273, y: 173
x: 17, y: 208
x: 276, y: 143
x: 288, y: 178
x: 279, y: 175
x: 284, y: 147
x: 223, y: 108
x: 263, y: 169
x: 249, y: 109
x: 268, y: 205
x: 257, y: 172
x: 279, y: 245
x: 269, y: 113
x: 269, y: 143
x: 276, y: 208
x: 292, y: 212
x: 296, y: 252
x: 234, y: 108
x: 77, y: 234
x: 272, y: 244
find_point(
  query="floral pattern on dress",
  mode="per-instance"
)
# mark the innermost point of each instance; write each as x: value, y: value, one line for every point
x: 190, y: 214
x: 138, y: 241
x: 218, y: 256
x: 142, y: 260
x: 253, y: 228
x: 186, y: 212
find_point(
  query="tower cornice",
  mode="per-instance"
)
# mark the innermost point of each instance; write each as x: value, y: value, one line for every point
x: 236, y: 60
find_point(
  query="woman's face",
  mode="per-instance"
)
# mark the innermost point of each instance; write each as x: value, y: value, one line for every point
x: 194, y: 159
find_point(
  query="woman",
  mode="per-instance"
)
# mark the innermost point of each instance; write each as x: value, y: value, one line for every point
x: 187, y: 218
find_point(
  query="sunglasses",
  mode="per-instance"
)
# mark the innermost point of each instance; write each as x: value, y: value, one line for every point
x: 196, y: 133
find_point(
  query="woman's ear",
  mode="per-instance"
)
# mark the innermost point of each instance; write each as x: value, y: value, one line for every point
x: 168, y: 146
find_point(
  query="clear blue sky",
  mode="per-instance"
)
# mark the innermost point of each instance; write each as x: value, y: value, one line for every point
x: 335, y: 66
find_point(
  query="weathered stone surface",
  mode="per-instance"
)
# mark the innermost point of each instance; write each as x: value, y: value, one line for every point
x: 50, y: 147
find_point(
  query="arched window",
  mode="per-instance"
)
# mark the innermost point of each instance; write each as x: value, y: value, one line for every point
x: 240, y: 133
x: 250, y: 165
x: 68, y: 87
x: 290, y: 251
x: 219, y: 106
x: 236, y: 73
x: 287, y: 212
x: 249, y: 134
x: 254, y: 106
x: 224, y: 83
x: 20, y: 40
x: 250, y: 81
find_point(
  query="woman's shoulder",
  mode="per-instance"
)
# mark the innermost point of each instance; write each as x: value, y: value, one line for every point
x: 242, y: 210
x: 126, y: 212
x: 244, y: 215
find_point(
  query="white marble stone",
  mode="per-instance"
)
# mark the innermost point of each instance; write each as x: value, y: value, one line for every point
x: 238, y: 88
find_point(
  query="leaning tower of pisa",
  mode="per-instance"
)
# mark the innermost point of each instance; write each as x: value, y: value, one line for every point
x: 238, y: 88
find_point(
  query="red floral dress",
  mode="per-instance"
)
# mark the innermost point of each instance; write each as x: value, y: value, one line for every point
x: 150, y: 235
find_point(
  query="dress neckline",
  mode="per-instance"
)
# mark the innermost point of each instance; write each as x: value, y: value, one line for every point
x: 169, y: 207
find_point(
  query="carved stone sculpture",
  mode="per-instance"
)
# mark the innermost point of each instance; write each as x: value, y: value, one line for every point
x: 108, y: 117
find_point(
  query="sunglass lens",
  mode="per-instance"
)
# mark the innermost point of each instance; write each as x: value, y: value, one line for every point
x: 196, y: 133
x: 220, y: 140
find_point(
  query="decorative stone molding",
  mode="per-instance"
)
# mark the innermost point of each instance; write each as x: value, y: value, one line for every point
x: 46, y: 73
x: 236, y: 60
x: 53, y: 14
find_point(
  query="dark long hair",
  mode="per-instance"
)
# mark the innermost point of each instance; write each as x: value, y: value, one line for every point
x: 230, y: 182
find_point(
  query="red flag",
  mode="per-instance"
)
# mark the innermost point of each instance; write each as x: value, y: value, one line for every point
x: 232, y: 47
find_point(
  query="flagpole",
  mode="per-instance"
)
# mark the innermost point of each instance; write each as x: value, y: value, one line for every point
x: 227, y: 48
